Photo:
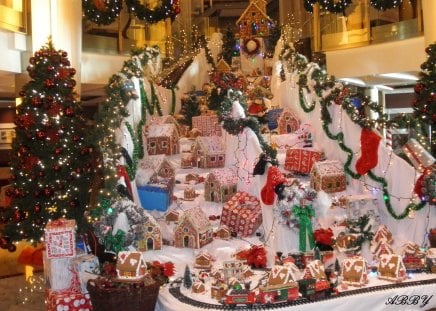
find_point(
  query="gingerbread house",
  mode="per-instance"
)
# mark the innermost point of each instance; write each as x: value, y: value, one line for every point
x: 189, y: 194
x: 315, y: 270
x: 413, y: 258
x: 192, y: 178
x: 242, y: 214
x: 281, y: 275
x: 223, y: 66
x: 301, y: 160
x: 220, y: 185
x: 223, y: 232
x: 152, y: 239
x: 218, y: 290
x: 217, y: 275
x: 208, y: 125
x: 159, y: 164
x: 381, y: 237
x: 382, y: 248
x: 172, y: 216
x: 203, y: 261
x: 287, y: 122
x: 194, y: 229
x: 391, y: 268
x: 161, y: 139
x: 186, y: 160
x: 209, y: 152
x: 198, y: 287
x: 354, y: 271
x: 254, y: 21
x: 131, y: 265
x: 328, y: 176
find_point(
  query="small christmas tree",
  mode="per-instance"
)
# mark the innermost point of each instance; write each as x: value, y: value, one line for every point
x: 424, y: 105
x: 230, y: 47
x: 190, y: 108
x: 187, y: 278
x: 51, y: 166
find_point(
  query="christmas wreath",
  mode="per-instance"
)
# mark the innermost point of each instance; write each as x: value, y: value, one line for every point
x: 167, y: 8
x: 383, y: 5
x: 102, y: 12
x: 251, y: 46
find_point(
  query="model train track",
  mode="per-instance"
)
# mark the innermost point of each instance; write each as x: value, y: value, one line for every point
x: 175, y: 291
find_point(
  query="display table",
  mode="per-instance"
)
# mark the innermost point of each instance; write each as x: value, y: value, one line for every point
x: 417, y: 293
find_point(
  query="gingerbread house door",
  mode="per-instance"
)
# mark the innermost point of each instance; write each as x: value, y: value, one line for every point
x: 186, y: 241
x: 150, y: 244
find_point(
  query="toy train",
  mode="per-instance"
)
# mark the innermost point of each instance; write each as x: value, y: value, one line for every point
x: 308, y: 288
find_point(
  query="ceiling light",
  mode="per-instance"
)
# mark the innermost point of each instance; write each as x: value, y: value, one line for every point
x: 403, y: 76
x: 353, y: 81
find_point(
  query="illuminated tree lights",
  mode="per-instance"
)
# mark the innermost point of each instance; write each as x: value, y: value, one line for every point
x: 51, y: 165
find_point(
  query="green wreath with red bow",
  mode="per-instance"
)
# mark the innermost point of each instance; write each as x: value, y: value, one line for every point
x: 102, y: 12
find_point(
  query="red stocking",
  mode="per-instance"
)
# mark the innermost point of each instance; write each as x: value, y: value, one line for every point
x: 369, y: 142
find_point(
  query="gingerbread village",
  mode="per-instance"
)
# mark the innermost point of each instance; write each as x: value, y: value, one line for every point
x: 276, y: 194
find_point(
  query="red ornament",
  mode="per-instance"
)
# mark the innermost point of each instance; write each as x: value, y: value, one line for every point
x: 36, y: 193
x: 73, y: 203
x: 53, y: 135
x: 64, y: 54
x: 18, y: 216
x: 12, y: 248
x: 64, y: 73
x: 72, y: 71
x: 50, y: 68
x: 32, y: 60
x: 58, y: 150
x: 23, y: 150
x: 56, y: 167
x: 41, y: 173
x: 49, y: 83
x: 69, y: 111
x: 48, y: 192
x: 41, y: 135
x: 29, y: 163
x: 37, y: 53
x: 4, y: 242
x: 76, y: 138
x: 54, y: 109
x: 37, y: 208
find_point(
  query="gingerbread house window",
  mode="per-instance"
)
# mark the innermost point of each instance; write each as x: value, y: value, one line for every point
x: 212, y: 159
x: 150, y: 229
x: 220, y: 158
x: 226, y: 191
x: 186, y: 229
x: 164, y: 144
x: 152, y: 144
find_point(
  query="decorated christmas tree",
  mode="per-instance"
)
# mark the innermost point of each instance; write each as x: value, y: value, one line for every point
x: 51, y: 165
x: 190, y: 108
x: 424, y: 105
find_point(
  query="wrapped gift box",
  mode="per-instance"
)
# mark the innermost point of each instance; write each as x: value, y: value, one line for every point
x: 157, y: 196
x: 60, y: 237
x: 359, y: 205
x: 328, y: 176
x: 87, y: 267
x: 58, y: 272
x: 301, y: 160
x: 70, y: 300
x: 242, y: 214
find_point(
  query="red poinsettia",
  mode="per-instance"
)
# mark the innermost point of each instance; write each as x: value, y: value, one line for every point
x: 256, y: 256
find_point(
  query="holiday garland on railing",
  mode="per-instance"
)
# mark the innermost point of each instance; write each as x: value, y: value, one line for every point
x: 339, y: 6
x: 113, y: 112
x: 327, y: 92
x: 333, y: 6
x: 102, y: 12
x: 106, y: 12
x: 166, y: 9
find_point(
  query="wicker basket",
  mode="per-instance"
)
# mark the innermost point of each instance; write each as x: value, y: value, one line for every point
x: 126, y: 298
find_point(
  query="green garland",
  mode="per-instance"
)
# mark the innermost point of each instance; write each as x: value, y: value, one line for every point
x: 173, y: 99
x: 333, y: 6
x: 102, y: 17
x: 234, y: 127
x: 131, y: 169
x: 383, y: 5
x: 142, y: 12
x: 338, y: 95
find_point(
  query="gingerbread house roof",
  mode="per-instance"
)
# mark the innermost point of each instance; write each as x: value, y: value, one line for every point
x: 223, y: 66
x: 225, y: 176
x: 198, y: 219
x: 382, y: 234
x: 172, y: 214
x: 281, y: 275
x: 316, y: 269
x: 161, y: 130
x: 204, y: 255
x: 330, y: 168
x: 410, y: 248
x: 129, y: 261
x: 392, y: 262
x: 259, y: 6
x: 154, y: 162
x: 211, y: 144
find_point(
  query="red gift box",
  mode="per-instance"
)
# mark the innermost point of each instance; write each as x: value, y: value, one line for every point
x: 301, y: 160
x: 242, y: 214
x: 71, y: 300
